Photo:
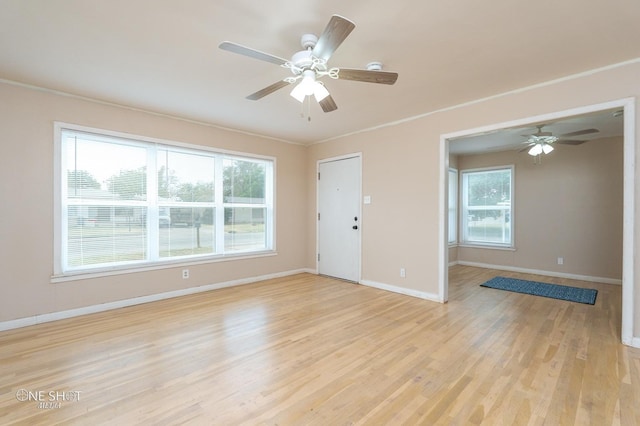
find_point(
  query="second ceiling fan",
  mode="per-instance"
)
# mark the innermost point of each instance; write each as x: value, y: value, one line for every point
x: 309, y: 65
x: 541, y: 142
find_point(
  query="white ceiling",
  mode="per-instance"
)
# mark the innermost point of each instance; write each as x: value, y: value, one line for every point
x: 162, y: 55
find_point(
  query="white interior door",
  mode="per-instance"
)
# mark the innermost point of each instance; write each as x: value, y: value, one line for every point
x: 339, y: 218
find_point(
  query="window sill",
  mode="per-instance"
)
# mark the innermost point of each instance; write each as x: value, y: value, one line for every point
x: 105, y: 272
x: 487, y: 246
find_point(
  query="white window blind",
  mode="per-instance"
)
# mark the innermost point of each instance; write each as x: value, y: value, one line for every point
x: 487, y: 217
x: 128, y: 202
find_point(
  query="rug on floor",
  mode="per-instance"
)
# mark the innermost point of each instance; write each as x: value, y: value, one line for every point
x: 554, y: 291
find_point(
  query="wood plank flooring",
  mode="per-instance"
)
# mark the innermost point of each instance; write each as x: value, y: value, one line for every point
x: 307, y: 349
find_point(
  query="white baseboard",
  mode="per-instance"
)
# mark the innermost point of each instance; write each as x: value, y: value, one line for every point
x: 54, y: 316
x: 402, y: 290
x: 545, y: 273
x: 634, y: 342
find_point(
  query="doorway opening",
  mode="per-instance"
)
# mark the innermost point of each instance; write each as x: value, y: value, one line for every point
x: 627, y: 109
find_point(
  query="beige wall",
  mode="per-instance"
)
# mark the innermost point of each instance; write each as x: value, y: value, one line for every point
x: 401, y: 223
x: 26, y: 228
x: 569, y: 205
x: 401, y: 173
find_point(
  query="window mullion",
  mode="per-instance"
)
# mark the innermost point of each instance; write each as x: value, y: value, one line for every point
x: 218, y: 202
x: 153, y: 236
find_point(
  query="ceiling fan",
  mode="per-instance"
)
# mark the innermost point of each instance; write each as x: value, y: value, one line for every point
x: 309, y: 65
x: 541, y: 142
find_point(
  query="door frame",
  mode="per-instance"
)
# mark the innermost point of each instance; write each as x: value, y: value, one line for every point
x: 360, y: 218
x: 629, y: 336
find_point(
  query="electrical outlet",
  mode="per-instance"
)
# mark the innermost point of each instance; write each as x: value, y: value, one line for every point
x: 403, y: 273
x: 561, y: 261
x: 185, y: 274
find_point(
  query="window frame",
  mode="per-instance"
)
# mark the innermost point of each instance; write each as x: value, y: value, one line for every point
x: 464, y: 209
x: 61, y: 270
x: 452, y: 209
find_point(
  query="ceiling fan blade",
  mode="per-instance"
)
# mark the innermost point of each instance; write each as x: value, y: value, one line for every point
x: 332, y: 37
x: 579, y: 133
x: 268, y: 90
x: 252, y: 53
x: 382, y: 77
x: 569, y: 142
x: 328, y: 104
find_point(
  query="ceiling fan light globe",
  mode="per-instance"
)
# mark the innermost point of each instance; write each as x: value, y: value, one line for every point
x: 308, y: 82
x: 535, y: 150
x: 298, y: 93
x: 319, y: 91
x: 546, y: 148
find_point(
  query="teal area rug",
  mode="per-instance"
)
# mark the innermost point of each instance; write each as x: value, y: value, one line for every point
x: 554, y: 291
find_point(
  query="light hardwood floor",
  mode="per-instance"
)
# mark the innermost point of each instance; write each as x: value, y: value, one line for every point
x: 312, y: 350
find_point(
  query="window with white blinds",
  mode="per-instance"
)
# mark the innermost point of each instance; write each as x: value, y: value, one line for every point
x: 487, y: 216
x: 127, y: 202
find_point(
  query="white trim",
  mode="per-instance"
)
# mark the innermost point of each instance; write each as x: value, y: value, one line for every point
x: 58, y: 217
x: 141, y: 140
x: 630, y: 336
x: 629, y: 238
x: 456, y: 173
x: 552, y: 116
x: 54, y: 316
x: 488, y: 98
x: 487, y: 246
x: 464, y: 208
x: 150, y: 144
x: 145, y: 111
x: 360, y: 218
x: 402, y: 290
x: 369, y: 129
x: 589, y: 278
x: 443, y: 222
x: 84, y: 275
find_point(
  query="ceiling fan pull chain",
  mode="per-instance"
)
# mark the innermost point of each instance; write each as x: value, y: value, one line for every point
x: 306, y: 105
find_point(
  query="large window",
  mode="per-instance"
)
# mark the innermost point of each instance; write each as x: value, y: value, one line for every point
x: 486, y: 216
x: 126, y: 202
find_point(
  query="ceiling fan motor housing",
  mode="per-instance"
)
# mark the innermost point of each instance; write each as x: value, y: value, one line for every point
x: 302, y: 60
x: 308, y: 41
